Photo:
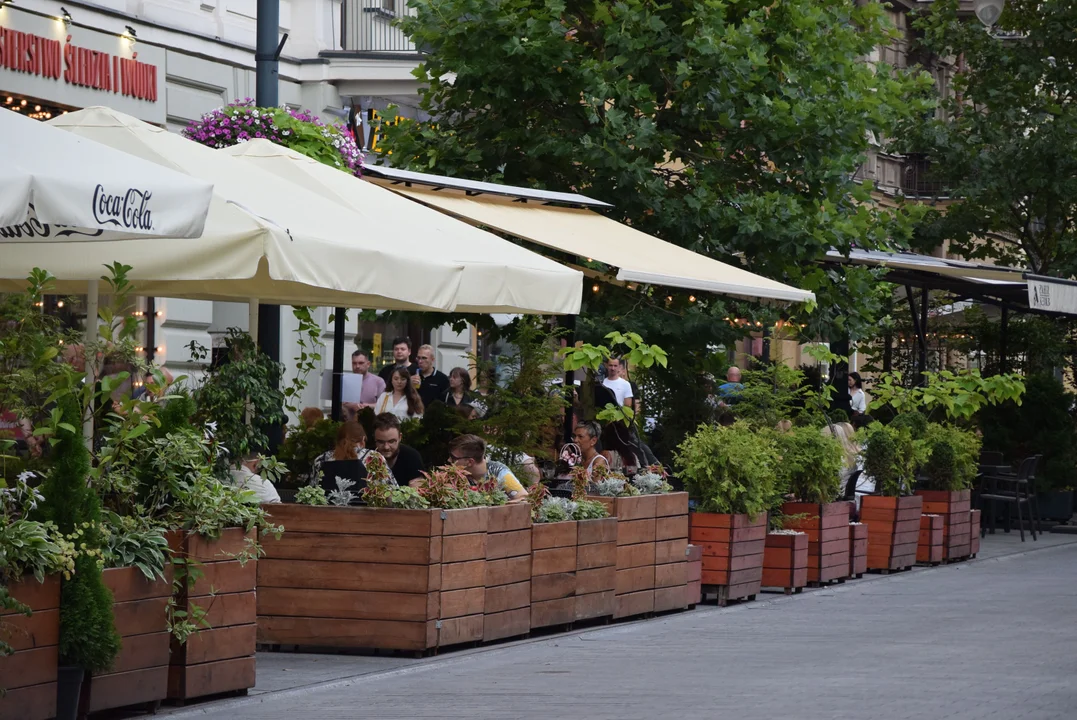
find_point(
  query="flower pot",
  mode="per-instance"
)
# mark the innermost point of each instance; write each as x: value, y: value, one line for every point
x: 930, y: 549
x: 827, y: 527
x: 732, y: 547
x: 220, y: 658
x: 893, y: 530
x: 140, y: 673
x: 68, y: 691
x: 29, y: 676
x: 953, y: 506
x: 785, y: 561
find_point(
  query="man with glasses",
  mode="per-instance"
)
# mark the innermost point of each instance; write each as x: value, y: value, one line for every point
x: 468, y: 452
x: 433, y: 384
x: 403, y: 460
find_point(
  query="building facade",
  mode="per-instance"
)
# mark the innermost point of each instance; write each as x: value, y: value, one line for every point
x: 169, y: 61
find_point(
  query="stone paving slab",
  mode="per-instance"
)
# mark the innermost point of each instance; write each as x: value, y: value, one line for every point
x: 993, y: 638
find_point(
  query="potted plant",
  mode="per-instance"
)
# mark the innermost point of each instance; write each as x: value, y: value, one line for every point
x: 573, y: 559
x: 892, y: 514
x: 33, y: 557
x: 811, y: 464
x: 730, y: 472
x: 950, y: 463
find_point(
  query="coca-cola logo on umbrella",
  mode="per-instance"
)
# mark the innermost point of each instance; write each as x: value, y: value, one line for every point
x: 129, y: 209
x: 34, y: 228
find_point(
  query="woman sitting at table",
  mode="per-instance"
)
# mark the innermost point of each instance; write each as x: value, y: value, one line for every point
x: 586, y: 437
x: 401, y: 398
x: 350, y: 445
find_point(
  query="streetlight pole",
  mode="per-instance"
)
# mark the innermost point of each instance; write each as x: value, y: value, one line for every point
x: 267, y: 60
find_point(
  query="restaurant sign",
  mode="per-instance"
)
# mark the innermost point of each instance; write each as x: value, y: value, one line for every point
x: 53, y: 61
x: 1052, y: 294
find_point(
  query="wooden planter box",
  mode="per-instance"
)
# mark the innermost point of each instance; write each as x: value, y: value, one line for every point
x: 929, y: 549
x: 220, y: 658
x: 636, y: 535
x: 140, y: 675
x: 954, y: 507
x: 671, y: 552
x: 553, y: 573
x: 732, y: 548
x: 827, y: 527
x: 785, y: 561
x: 693, y: 588
x: 507, y: 601
x: 382, y: 578
x: 893, y: 530
x: 29, y: 676
x: 596, y: 568
x: 858, y: 550
x: 974, y: 532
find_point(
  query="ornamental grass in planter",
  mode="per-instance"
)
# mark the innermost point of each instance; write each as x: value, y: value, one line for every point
x: 730, y: 471
x: 951, y: 457
x: 811, y: 464
x: 892, y: 516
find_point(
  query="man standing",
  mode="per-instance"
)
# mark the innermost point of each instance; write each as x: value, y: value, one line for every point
x: 433, y: 384
x: 404, y: 461
x: 361, y: 389
x: 616, y: 383
x: 729, y: 391
x: 402, y: 358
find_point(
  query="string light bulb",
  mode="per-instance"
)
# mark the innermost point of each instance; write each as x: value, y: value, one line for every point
x: 160, y: 349
x: 691, y: 298
x: 59, y: 303
x: 594, y: 288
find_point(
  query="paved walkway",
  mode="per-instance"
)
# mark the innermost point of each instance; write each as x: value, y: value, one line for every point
x: 994, y: 638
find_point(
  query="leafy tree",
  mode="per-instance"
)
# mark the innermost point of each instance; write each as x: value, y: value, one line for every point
x: 1008, y: 146
x: 727, y: 128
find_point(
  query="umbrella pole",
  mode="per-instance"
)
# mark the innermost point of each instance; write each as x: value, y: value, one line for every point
x: 339, y: 319
x: 89, y: 337
x: 252, y: 319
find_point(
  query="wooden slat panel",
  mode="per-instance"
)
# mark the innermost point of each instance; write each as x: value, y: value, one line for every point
x: 553, y: 560
x: 595, y: 605
x: 514, y: 516
x: 507, y: 597
x: 129, y: 584
x: 459, y: 548
x: 210, y: 678
x: 456, y: 576
x: 513, y: 543
x: 602, y: 530
x: 670, y: 598
x: 140, y: 652
x: 29, y: 667
x: 631, y: 532
x: 224, y: 577
x: 141, y: 616
x: 457, y: 603
x: 508, y: 571
x: 553, y: 612
x: 41, y: 629
x: 333, y: 632
x: 208, y: 646
x: 374, y: 577
x: 671, y: 528
x: 460, y: 630
x: 136, y: 687
x: 553, y: 535
x: 596, y: 555
x: 510, y: 623
x: 228, y: 610
x: 349, y: 604
x: 671, y: 504
x: 39, y: 596
x: 37, y: 702
x: 632, y: 604
x: 553, y: 586
x: 465, y: 521
x: 355, y: 520
x: 670, y: 574
x: 596, y: 580
x: 395, y: 549
x: 635, y: 579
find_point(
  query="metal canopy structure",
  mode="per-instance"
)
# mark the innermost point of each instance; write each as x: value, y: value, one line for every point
x: 407, y: 178
x: 1008, y: 288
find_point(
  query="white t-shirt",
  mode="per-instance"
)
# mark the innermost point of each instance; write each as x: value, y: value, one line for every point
x: 620, y: 387
x: 858, y: 401
x: 263, y: 490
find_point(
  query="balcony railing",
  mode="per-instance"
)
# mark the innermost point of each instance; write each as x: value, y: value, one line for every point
x: 917, y: 179
x: 367, y: 26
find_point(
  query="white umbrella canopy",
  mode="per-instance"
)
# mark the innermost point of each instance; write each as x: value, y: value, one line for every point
x: 264, y: 239
x: 499, y: 276
x: 56, y: 186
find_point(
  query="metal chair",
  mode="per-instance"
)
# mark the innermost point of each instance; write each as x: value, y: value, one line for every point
x: 1010, y: 489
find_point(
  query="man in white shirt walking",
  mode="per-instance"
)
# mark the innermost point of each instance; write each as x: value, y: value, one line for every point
x: 616, y: 382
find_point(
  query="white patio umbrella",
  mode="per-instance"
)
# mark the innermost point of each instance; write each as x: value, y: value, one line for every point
x: 499, y: 276
x: 264, y: 238
x: 58, y: 186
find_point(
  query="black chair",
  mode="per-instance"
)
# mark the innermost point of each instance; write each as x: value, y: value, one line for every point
x: 1011, y: 489
x: 850, y: 486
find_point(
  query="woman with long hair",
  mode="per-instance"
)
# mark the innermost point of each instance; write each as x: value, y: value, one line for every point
x: 858, y: 401
x: 401, y: 398
x: 350, y: 445
x: 459, y: 392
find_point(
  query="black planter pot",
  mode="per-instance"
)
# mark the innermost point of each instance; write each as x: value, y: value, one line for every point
x: 1056, y: 505
x: 68, y: 691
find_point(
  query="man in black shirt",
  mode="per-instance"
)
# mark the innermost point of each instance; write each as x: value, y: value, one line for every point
x: 402, y: 356
x: 433, y: 384
x: 404, y: 461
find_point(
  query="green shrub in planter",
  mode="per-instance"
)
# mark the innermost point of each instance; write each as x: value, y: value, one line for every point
x: 729, y: 469
x: 951, y: 457
x: 913, y: 421
x: 810, y: 464
x: 302, y: 446
x: 889, y: 457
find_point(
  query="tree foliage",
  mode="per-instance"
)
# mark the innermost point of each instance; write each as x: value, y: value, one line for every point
x: 1008, y: 146
x: 725, y: 127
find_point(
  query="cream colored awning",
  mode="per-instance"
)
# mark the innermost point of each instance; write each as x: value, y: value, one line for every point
x: 499, y: 276
x: 638, y: 256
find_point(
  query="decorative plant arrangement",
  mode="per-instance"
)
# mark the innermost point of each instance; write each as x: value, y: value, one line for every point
x: 652, y: 481
x: 892, y: 515
x: 301, y: 130
x: 311, y: 495
x: 810, y: 464
x: 955, y: 396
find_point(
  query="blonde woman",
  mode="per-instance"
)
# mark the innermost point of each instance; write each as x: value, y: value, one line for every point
x: 850, y: 450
